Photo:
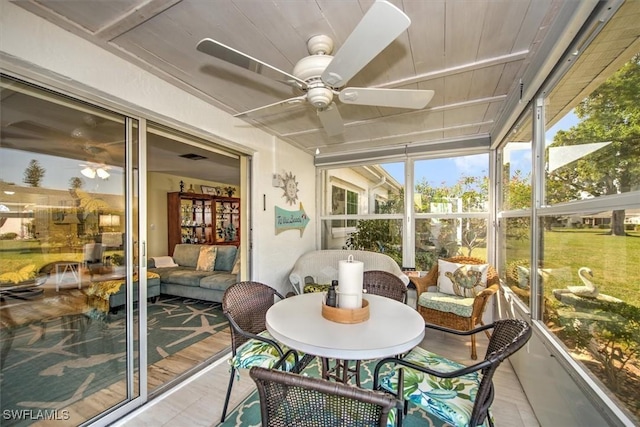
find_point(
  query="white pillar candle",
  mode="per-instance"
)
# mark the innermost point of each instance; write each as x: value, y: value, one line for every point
x: 350, y: 278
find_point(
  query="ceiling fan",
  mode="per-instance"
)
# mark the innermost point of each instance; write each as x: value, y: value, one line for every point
x: 321, y: 76
x: 90, y: 170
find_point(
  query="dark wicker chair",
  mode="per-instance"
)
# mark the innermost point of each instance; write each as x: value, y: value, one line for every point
x: 289, y: 399
x: 245, y: 305
x: 452, y: 320
x: 460, y: 395
x: 377, y: 282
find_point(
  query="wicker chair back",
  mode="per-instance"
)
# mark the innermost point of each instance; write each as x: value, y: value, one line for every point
x: 378, y: 282
x: 245, y: 304
x: 288, y: 399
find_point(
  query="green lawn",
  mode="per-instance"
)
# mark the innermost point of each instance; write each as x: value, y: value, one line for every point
x: 15, y: 254
x: 614, y: 260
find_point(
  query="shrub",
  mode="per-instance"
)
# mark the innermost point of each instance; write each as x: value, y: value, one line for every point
x: 8, y: 236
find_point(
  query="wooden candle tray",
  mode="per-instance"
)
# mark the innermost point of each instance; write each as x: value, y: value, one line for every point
x: 346, y: 315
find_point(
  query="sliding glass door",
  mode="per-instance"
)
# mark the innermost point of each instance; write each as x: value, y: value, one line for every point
x: 69, y: 245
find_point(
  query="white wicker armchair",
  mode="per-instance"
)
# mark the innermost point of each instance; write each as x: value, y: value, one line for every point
x: 322, y: 266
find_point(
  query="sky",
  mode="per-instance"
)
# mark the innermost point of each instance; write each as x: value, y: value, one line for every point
x: 58, y: 172
x: 449, y: 170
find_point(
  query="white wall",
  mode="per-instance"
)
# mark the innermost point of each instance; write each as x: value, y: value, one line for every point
x: 276, y: 254
x: 34, y: 48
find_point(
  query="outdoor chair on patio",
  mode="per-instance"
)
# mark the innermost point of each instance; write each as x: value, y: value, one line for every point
x: 288, y: 399
x: 377, y: 282
x: 245, y: 305
x: 458, y: 394
x: 455, y: 293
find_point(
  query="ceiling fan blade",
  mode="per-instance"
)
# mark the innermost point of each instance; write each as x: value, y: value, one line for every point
x: 400, y: 98
x: 276, y: 107
x: 381, y: 25
x: 39, y: 130
x: 235, y: 57
x: 331, y: 120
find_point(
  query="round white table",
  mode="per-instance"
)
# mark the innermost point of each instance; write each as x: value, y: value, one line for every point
x: 393, y: 328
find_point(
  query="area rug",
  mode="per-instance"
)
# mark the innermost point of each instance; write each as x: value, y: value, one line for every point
x: 56, y: 361
x: 247, y: 413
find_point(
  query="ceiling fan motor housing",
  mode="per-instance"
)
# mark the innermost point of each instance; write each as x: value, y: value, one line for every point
x: 309, y: 69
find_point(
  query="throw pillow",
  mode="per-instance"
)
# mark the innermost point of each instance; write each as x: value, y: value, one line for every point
x: 236, y: 264
x: 207, y: 258
x: 465, y: 280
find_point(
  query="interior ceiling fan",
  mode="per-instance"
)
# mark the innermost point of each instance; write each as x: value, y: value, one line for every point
x: 86, y: 140
x: 321, y: 76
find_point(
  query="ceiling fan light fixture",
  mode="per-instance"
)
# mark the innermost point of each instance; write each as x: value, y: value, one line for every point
x: 102, y: 173
x: 320, y: 97
x: 88, y: 172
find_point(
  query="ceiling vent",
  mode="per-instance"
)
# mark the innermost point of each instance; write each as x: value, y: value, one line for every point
x: 192, y: 156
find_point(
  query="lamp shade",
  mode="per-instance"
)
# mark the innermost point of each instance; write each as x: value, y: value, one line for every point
x: 88, y: 172
x: 109, y: 220
x: 70, y: 219
x: 102, y: 173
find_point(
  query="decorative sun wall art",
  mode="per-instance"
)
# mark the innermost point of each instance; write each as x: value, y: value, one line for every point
x: 290, y: 187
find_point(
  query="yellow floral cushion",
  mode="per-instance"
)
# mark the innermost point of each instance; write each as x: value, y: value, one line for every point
x: 315, y: 287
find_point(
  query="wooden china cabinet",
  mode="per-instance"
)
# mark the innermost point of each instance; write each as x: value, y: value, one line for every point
x: 202, y: 219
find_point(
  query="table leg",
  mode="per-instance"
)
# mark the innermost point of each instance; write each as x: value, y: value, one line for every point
x: 68, y: 268
x: 340, y: 371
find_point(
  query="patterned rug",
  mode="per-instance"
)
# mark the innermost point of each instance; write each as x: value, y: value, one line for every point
x: 247, y: 413
x: 54, y: 362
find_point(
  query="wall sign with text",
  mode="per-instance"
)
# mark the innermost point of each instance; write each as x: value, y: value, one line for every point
x: 291, y: 220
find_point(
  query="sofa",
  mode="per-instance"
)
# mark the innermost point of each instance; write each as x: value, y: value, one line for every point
x: 184, y: 280
x: 109, y: 295
x: 321, y: 267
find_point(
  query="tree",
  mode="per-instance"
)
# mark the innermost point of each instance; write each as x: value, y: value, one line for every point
x: 611, y: 114
x: 75, y: 183
x: 33, y: 174
x: 468, y: 194
x: 380, y: 235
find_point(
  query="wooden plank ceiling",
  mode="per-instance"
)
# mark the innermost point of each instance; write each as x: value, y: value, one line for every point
x: 471, y: 53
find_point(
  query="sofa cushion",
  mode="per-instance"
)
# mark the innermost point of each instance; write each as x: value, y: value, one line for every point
x: 447, y: 303
x: 226, y: 257
x: 218, y: 280
x: 186, y: 255
x: 181, y: 275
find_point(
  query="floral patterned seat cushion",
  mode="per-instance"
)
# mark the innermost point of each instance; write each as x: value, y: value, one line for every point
x: 448, y: 303
x: 259, y: 353
x: 450, y: 399
x: 315, y: 287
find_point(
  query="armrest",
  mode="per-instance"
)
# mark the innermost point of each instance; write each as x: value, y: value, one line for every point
x: 422, y: 284
x: 296, y: 281
x: 480, y: 301
x: 456, y: 331
x: 452, y: 374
